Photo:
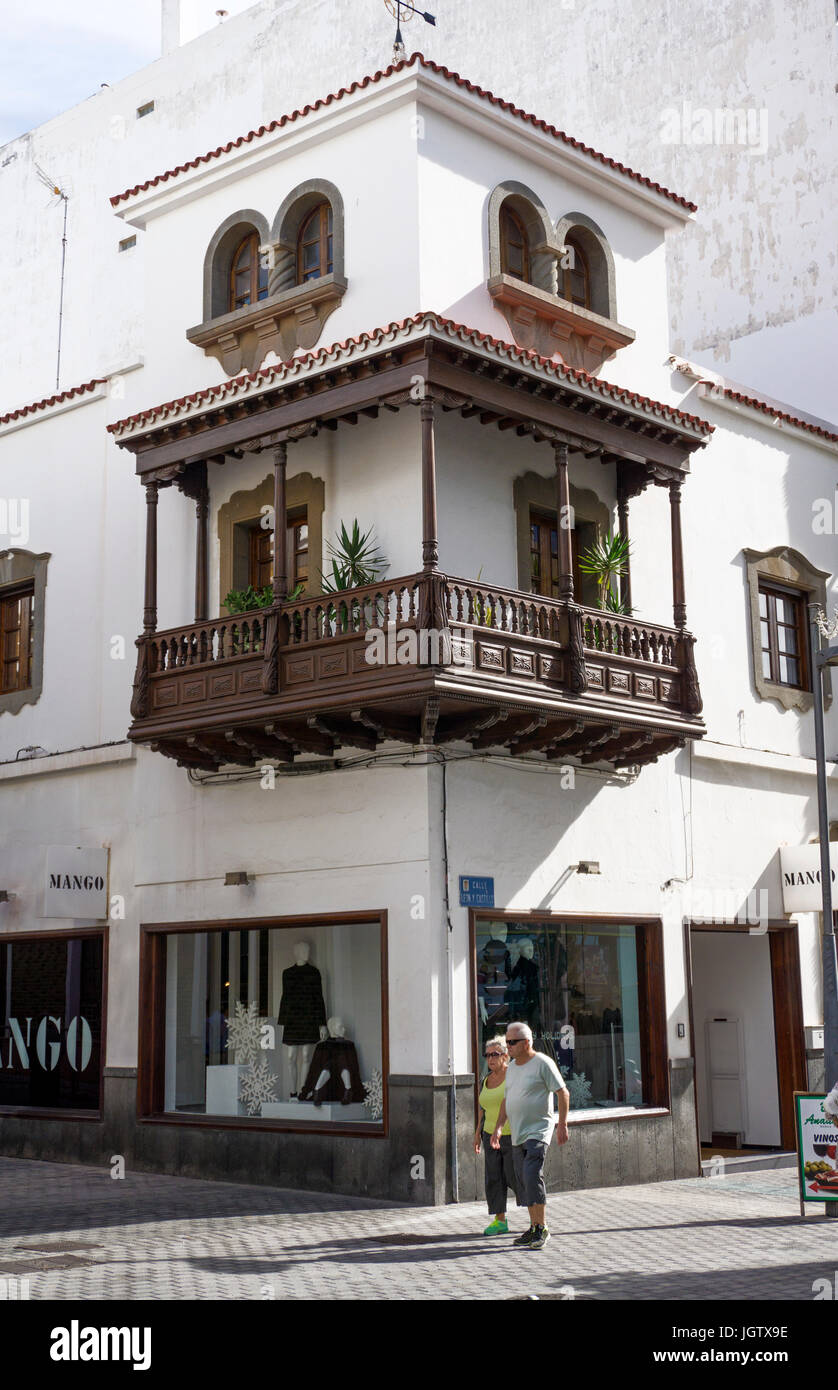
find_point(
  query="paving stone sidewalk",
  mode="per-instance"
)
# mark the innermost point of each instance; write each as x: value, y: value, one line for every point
x: 77, y: 1233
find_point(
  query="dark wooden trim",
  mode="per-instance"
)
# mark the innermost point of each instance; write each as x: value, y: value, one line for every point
x: 563, y: 531
x: 623, y: 514
x: 679, y: 605
x: 150, y: 611
x: 652, y: 1008
x: 688, y: 975
x: 280, y: 523
x: 430, y: 543
x: 789, y: 1037
x: 152, y: 1031
x: 651, y: 1000
x: 57, y: 934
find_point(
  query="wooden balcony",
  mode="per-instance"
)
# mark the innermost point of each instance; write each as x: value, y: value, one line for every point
x: 424, y: 659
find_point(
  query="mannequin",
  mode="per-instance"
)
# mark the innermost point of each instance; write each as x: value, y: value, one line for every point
x: 302, y: 1014
x: 522, y: 992
x: 495, y: 966
x: 334, y: 1073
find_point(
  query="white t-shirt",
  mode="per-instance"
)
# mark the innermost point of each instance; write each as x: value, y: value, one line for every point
x: 529, y: 1098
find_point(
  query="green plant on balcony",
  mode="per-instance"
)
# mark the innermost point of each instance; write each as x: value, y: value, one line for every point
x: 483, y: 612
x: 355, y: 562
x: 251, y: 600
x: 607, y: 560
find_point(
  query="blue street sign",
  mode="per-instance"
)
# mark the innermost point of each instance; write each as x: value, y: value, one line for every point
x: 477, y: 892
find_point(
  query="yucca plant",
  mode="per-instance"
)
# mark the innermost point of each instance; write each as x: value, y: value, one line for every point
x: 355, y: 561
x: 607, y: 560
x: 355, y: 558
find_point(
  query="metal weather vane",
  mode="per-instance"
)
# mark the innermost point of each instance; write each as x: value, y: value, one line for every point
x: 403, y: 13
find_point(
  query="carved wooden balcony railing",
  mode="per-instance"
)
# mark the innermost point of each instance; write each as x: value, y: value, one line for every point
x: 495, y: 665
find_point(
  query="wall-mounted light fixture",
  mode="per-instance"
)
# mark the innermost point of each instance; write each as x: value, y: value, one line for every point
x: 237, y: 879
x: 6, y: 896
x: 588, y: 866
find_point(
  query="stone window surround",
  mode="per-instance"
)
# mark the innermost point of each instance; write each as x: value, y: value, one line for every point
x: 538, y: 316
x: 16, y: 567
x: 533, y: 490
x: 292, y: 316
x: 783, y: 565
x: 302, y: 490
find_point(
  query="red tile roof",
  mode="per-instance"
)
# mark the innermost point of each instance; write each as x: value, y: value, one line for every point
x: 274, y: 375
x: 52, y: 400
x: 767, y: 409
x: 376, y: 77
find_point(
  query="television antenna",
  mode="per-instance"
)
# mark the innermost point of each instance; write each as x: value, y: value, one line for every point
x: 403, y: 13
x: 58, y: 193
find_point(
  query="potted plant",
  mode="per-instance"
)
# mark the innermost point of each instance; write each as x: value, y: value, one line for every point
x: 607, y: 560
x: 355, y: 562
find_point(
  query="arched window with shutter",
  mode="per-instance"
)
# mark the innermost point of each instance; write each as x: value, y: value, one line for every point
x: 314, y: 245
x: 248, y: 276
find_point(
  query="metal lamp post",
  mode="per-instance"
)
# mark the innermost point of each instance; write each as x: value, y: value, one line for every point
x: 821, y: 658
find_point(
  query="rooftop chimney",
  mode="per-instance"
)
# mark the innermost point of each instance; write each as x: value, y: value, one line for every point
x: 170, y: 26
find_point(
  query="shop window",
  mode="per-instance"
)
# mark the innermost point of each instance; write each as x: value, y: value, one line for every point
x: 587, y: 991
x: 782, y: 625
x: 51, y: 1022
x: 281, y: 1023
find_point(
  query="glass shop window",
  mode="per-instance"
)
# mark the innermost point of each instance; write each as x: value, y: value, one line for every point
x: 51, y: 1022
x: 576, y: 985
x: 276, y: 1023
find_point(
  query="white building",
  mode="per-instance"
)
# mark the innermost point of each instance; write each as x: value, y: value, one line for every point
x: 477, y: 283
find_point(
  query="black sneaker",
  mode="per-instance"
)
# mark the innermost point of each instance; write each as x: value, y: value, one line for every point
x: 540, y: 1237
x: 525, y: 1238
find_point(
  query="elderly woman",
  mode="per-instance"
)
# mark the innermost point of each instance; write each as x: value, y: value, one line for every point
x: 499, y: 1169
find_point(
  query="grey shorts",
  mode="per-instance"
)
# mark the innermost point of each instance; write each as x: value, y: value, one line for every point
x: 529, y: 1169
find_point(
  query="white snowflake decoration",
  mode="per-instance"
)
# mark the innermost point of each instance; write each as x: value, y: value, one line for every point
x: 244, y: 1032
x: 374, y: 1099
x: 579, y: 1086
x: 257, y: 1086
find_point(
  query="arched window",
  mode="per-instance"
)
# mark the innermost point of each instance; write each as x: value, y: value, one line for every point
x: 575, y: 277
x: 514, y: 246
x: 248, y: 276
x: 314, y: 245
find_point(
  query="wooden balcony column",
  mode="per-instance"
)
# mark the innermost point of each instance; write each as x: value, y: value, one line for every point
x: 564, y: 524
x: 433, y: 615
x: 623, y: 516
x: 679, y: 605
x: 201, y: 495
x: 577, y: 675
x: 150, y: 609
x: 280, y: 530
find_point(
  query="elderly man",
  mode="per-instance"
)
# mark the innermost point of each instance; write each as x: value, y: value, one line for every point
x: 531, y: 1079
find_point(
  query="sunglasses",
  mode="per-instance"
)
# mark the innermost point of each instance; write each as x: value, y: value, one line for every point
x: 510, y: 1042
x: 494, y: 1054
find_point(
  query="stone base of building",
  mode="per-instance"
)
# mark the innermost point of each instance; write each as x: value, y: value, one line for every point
x: 413, y: 1164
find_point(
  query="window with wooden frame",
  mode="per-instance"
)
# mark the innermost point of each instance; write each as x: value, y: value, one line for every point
x: 514, y: 246
x: 314, y: 245
x: 260, y: 551
x: 16, y: 637
x: 782, y: 622
x: 575, y: 278
x: 544, y: 557
x: 248, y: 276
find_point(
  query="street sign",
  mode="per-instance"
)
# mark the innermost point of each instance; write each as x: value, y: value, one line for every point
x: 476, y: 892
x: 817, y: 1149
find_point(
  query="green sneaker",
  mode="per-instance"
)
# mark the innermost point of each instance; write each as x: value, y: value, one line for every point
x: 540, y: 1237
x: 497, y: 1228
x: 525, y: 1239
